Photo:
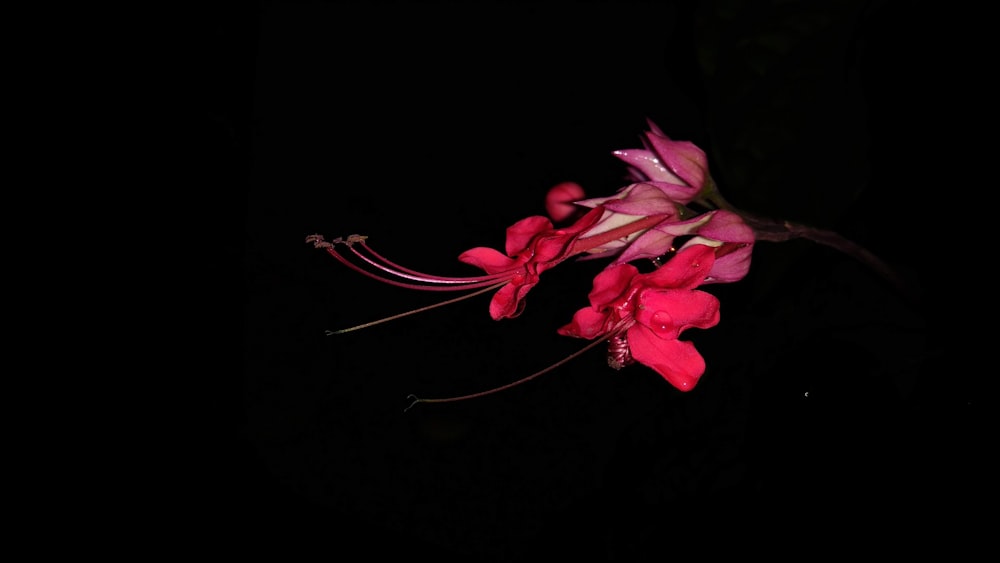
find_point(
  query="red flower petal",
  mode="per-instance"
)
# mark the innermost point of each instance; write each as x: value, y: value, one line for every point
x: 490, y: 260
x: 508, y: 301
x: 587, y: 323
x: 610, y: 284
x: 676, y: 361
x: 519, y: 234
x: 669, y: 312
x: 559, y: 202
x: 686, y: 270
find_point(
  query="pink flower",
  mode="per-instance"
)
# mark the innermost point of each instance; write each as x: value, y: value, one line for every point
x: 560, y: 201
x: 640, y: 201
x: 643, y: 315
x: 631, y: 203
x: 679, y: 168
x: 720, y: 229
x: 532, y: 247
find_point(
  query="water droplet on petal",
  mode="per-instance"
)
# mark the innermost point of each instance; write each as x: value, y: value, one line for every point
x: 661, y: 322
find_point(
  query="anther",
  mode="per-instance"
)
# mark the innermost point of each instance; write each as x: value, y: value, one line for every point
x: 318, y: 241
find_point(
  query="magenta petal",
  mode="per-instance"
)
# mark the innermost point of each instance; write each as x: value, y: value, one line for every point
x: 726, y: 226
x: 658, y: 240
x: 490, y: 260
x: 642, y: 200
x: 587, y: 323
x: 676, y: 361
x: 682, y: 194
x: 504, y: 302
x: 685, y: 270
x: 669, y: 312
x: 649, y: 164
x: 610, y: 284
x: 598, y: 201
x: 519, y: 234
x: 655, y: 128
x: 679, y: 228
x: 651, y: 244
x: 683, y: 158
x: 508, y: 301
x: 732, y: 267
x: 559, y: 200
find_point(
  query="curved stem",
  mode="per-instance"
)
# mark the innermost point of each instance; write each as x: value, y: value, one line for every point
x: 775, y: 231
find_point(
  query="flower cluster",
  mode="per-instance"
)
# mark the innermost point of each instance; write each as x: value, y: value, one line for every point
x: 670, y: 216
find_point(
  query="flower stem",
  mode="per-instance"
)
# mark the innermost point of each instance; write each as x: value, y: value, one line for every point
x: 780, y: 231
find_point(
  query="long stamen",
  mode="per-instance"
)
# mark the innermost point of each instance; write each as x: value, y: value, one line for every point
x: 415, y: 311
x: 416, y: 399
x: 443, y: 283
x: 460, y: 287
x: 419, y: 276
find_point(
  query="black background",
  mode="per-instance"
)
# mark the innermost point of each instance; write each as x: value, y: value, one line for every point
x: 831, y: 407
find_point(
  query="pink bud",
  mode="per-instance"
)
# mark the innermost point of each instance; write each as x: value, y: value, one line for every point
x: 559, y: 202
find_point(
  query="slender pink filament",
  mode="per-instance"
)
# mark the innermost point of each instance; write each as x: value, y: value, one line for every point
x: 414, y: 311
x: 420, y: 276
x: 444, y: 283
x: 416, y: 399
x: 459, y: 283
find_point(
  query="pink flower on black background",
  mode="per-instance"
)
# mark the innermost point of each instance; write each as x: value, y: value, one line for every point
x: 650, y: 312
